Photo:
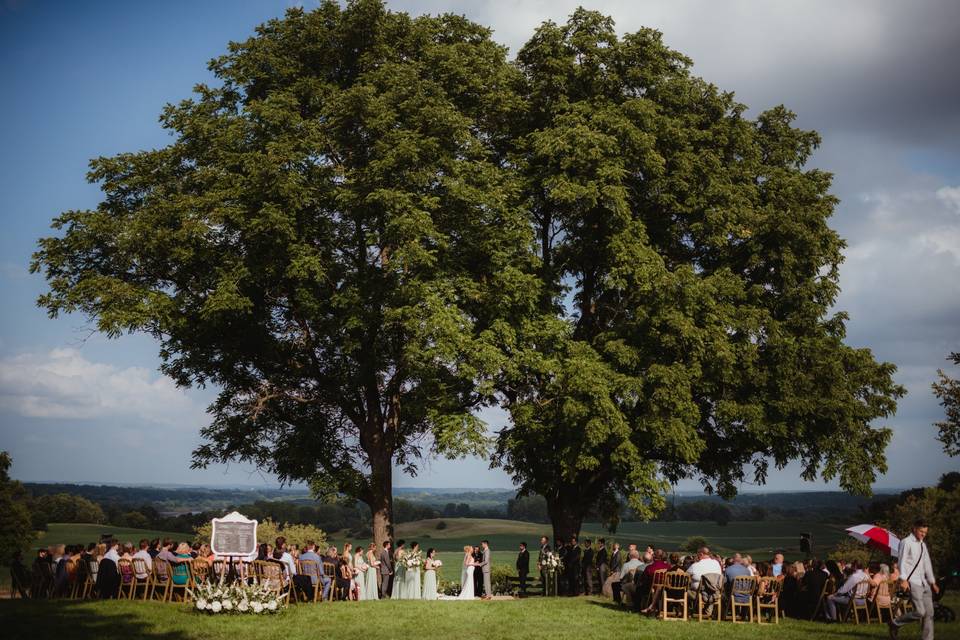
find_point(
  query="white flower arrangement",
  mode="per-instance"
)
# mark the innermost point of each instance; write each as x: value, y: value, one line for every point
x: 414, y: 560
x: 551, y: 562
x: 235, y: 598
x: 438, y: 563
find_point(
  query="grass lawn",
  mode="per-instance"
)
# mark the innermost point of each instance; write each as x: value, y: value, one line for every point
x: 72, y: 533
x: 534, y: 618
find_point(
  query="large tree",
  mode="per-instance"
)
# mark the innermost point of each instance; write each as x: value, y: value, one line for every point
x: 330, y: 239
x: 688, y: 273
x: 16, y: 531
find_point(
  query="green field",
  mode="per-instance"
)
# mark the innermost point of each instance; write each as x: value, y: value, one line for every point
x: 529, y: 619
x: 71, y: 533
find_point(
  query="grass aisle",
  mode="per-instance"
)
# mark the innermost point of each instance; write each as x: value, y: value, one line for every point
x: 535, y: 618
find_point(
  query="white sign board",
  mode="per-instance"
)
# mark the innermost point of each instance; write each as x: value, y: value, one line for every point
x: 234, y: 535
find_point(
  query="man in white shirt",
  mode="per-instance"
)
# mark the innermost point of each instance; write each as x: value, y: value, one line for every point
x: 705, y: 564
x: 143, y: 554
x: 633, y: 563
x: 846, y: 592
x: 916, y: 573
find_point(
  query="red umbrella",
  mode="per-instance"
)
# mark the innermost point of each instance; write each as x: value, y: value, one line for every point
x: 876, y: 537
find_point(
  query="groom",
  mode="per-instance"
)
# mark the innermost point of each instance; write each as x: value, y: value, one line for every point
x: 485, y: 568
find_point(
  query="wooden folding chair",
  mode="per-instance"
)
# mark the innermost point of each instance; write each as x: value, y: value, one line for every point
x: 656, y: 586
x: 674, y: 593
x: 127, y: 579
x: 201, y: 571
x: 271, y: 577
x: 140, y: 569
x: 828, y: 588
x: 767, y: 598
x: 743, y: 587
x: 330, y: 569
x: 709, y: 593
x: 161, y: 579
x: 883, y: 600
x: 89, y: 579
x: 78, y: 583
x: 311, y: 569
x: 859, y: 603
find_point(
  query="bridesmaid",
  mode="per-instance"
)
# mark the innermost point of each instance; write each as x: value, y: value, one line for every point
x: 360, y: 568
x: 429, y: 577
x: 399, y: 572
x: 373, y: 573
x: 412, y: 578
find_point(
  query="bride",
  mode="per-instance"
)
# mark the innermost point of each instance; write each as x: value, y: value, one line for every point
x: 466, y: 576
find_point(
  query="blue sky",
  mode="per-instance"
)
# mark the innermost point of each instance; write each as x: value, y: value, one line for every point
x: 80, y: 80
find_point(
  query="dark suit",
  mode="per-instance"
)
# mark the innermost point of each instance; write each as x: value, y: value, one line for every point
x: 523, y: 568
x: 477, y: 574
x: 813, y: 582
x: 603, y: 565
x: 588, y: 570
x: 574, y: 569
x: 386, y: 571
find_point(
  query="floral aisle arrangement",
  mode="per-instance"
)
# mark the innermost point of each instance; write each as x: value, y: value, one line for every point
x: 551, y: 566
x: 235, y: 598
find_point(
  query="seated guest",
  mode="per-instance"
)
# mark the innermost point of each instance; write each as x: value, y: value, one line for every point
x: 836, y: 571
x: 315, y: 572
x: 154, y: 549
x: 748, y: 563
x: 845, y: 592
x: 108, y: 576
x: 676, y: 562
x: 812, y: 586
x: 777, y: 564
x: 285, y: 556
x: 144, y: 554
x: 646, y: 581
x: 708, y: 568
x: 89, y: 553
x: 628, y: 568
x: 332, y: 556
x: 277, y: 558
x: 126, y: 572
x: 629, y: 583
x: 263, y: 552
x: 790, y: 594
x: 735, y: 570
x: 181, y: 570
x: 705, y: 564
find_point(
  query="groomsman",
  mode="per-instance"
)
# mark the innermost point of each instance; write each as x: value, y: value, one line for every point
x: 544, y: 550
x: 588, y: 566
x: 386, y: 569
x: 523, y: 567
x: 602, y: 562
x: 616, y: 559
x: 573, y: 557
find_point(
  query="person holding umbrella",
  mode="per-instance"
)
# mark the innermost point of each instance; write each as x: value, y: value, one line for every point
x: 916, y: 572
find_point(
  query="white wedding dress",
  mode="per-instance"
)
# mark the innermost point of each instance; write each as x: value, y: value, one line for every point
x: 466, y: 582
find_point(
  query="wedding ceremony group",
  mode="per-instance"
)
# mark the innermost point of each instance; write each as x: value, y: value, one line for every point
x: 669, y: 586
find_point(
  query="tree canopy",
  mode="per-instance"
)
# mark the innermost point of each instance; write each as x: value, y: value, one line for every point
x: 947, y: 389
x: 375, y: 225
x: 687, y: 275
x: 330, y: 239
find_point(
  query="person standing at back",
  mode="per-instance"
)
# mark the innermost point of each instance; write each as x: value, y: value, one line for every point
x: 523, y: 567
x: 916, y: 573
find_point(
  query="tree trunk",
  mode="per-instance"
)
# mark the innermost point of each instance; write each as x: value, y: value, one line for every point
x: 566, y: 516
x: 382, y: 509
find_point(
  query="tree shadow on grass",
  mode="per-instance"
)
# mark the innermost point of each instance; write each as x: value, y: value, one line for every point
x: 74, y: 620
x: 613, y: 606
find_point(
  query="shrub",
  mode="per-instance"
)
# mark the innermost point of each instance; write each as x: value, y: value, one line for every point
x: 268, y: 530
x: 441, y: 525
x: 693, y: 543
x: 500, y: 579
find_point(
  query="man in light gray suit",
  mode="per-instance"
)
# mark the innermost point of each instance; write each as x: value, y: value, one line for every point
x: 485, y: 567
x: 386, y: 569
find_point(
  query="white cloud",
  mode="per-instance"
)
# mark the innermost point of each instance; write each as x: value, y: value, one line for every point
x: 950, y: 196
x: 63, y: 384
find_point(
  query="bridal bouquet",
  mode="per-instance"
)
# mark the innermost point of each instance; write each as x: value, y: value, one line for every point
x: 414, y: 560
x: 437, y: 563
x: 235, y: 598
